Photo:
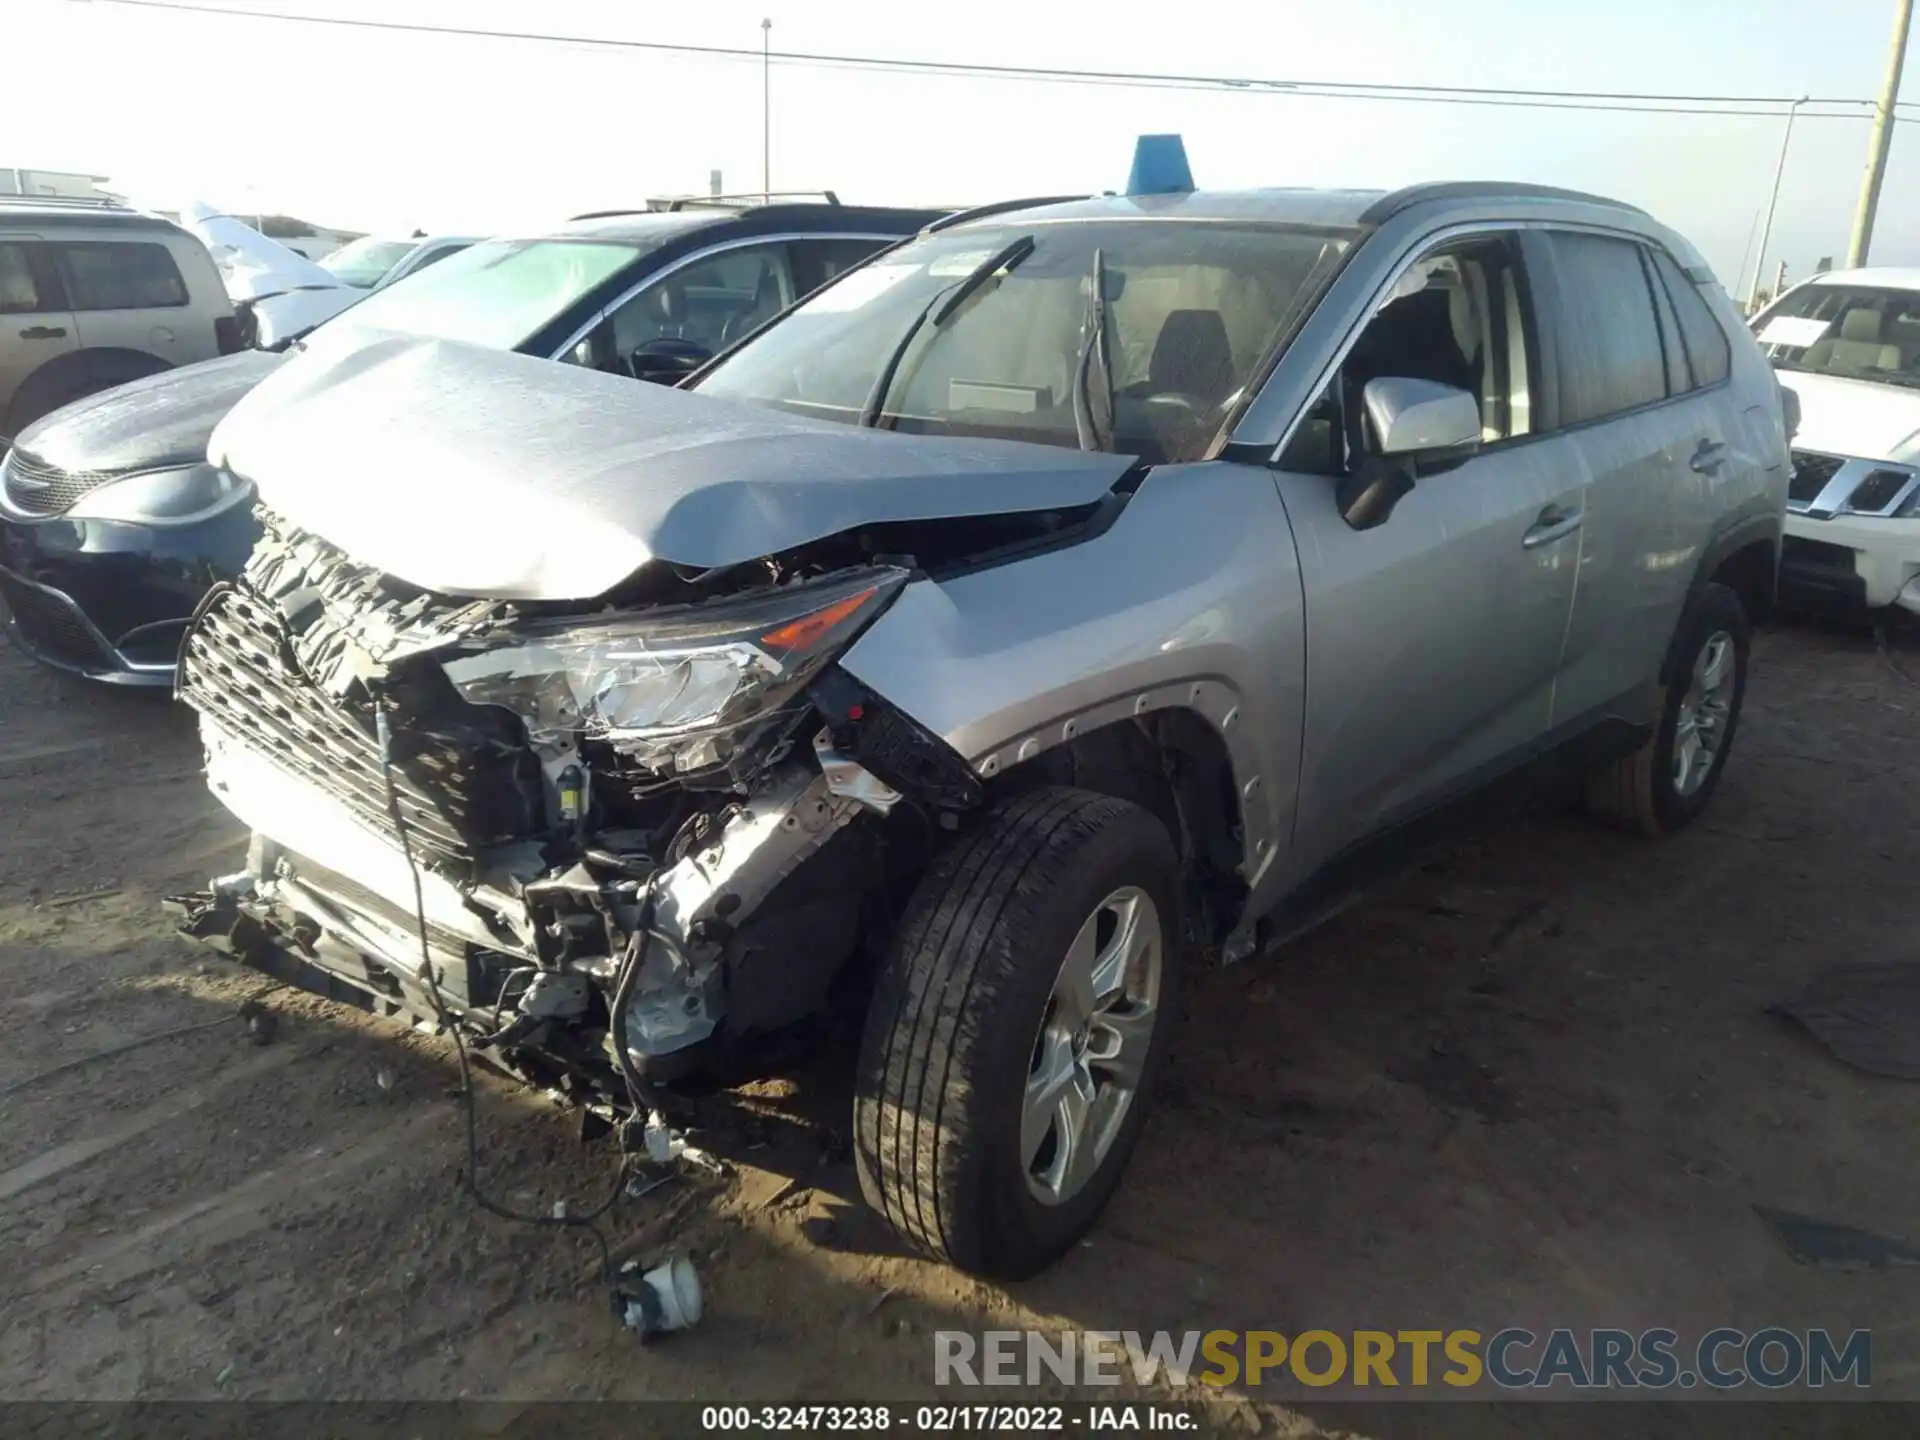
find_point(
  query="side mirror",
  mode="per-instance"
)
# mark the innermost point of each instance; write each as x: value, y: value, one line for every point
x: 1789, y: 408
x: 667, y: 360
x: 1421, y: 417
x: 1418, y: 427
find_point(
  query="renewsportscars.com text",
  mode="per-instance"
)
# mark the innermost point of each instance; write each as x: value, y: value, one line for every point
x: 1512, y: 1359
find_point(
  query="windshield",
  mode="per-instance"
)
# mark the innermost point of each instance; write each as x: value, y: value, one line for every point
x: 362, y: 262
x: 499, y: 293
x: 1193, y: 309
x: 1862, y: 332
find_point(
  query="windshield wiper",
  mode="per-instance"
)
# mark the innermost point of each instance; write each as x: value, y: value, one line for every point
x: 1095, y: 344
x: 939, y: 310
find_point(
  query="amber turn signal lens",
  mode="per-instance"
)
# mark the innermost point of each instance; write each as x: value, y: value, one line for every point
x: 803, y: 633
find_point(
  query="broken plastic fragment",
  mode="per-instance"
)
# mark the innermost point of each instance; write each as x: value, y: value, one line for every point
x: 665, y: 1298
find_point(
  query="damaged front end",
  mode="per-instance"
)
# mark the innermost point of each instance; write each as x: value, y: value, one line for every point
x: 511, y: 814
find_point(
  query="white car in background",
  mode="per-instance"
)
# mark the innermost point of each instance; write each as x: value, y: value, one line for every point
x: 374, y: 262
x: 1847, y: 346
x: 282, y: 293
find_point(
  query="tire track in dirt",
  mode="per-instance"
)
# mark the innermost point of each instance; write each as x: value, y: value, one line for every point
x: 303, y: 1183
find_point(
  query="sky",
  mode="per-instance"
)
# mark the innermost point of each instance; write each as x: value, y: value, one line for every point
x: 390, y: 132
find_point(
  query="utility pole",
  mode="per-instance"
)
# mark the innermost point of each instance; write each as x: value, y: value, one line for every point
x: 766, y: 109
x: 1863, y: 218
x: 1773, y: 201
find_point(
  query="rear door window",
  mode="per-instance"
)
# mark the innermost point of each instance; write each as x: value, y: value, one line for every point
x: 711, y: 302
x: 121, y: 275
x: 1611, y: 355
x: 820, y: 258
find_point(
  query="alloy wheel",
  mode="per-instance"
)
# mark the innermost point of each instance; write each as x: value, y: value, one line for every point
x: 1092, y: 1045
x: 1702, y: 721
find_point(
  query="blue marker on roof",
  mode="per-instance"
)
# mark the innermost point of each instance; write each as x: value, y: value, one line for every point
x: 1159, y: 167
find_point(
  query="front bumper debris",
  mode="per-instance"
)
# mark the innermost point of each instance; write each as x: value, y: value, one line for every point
x: 418, y: 853
x: 327, y: 905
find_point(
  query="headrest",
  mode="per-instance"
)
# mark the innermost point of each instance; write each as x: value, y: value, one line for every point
x: 1192, y: 356
x: 1862, y: 325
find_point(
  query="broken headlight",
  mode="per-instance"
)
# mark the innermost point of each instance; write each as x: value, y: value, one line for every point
x: 677, y: 690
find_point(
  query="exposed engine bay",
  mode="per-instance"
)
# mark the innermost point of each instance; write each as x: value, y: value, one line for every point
x: 639, y: 839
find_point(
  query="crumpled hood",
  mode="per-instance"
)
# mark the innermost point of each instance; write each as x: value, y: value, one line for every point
x: 473, y: 472
x: 250, y: 264
x: 1861, y: 419
x: 148, y: 424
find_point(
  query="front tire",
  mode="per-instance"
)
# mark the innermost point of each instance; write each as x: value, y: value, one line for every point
x: 1017, y: 1029
x: 1666, y: 783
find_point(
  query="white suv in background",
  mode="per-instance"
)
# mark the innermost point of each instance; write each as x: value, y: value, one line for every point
x: 93, y: 295
x: 1847, y: 345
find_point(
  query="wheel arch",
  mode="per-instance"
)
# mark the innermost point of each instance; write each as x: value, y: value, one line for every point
x: 1745, y: 557
x: 74, y: 374
x: 1176, y: 762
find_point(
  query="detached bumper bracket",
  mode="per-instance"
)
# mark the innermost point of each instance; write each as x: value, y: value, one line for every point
x: 217, y: 922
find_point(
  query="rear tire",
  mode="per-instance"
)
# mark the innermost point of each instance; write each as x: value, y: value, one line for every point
x: 999, y: 1097
x: 1655, y: 790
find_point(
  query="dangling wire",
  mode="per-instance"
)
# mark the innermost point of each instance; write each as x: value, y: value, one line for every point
x: 588, y: 1220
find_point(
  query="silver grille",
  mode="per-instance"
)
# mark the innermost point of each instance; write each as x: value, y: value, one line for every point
x: 1810, y: 475
x: 237, y: 669
x: 36, y: 488
x: 1823, y: 486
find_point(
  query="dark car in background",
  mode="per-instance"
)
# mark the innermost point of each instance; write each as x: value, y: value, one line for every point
x: 113, y: 525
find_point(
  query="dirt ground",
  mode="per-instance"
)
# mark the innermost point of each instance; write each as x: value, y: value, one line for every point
x: 1535, y: 1084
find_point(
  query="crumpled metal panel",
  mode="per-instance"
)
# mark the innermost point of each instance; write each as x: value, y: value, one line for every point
x: 344, y: 618
x: 477, y: 473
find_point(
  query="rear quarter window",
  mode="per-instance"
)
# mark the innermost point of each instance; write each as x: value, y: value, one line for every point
x: 19, y: 295
x: 121, y: 275
x: 1708, y: 352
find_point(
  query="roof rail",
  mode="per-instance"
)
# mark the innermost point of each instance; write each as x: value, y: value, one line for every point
x: 1390, y: 205
x: 718, y: 202
x: 77, y: 202
x: 997, y: 207
x: 757, y: 197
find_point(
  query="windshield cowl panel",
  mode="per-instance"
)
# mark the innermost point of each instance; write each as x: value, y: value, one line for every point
x: 1194, y: 312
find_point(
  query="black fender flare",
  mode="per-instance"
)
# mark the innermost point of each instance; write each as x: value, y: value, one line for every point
x: 1733, y: 535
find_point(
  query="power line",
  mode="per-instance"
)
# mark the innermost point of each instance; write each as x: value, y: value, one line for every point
x: 1619, y: 102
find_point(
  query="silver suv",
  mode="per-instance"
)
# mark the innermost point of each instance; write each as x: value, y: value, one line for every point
x: 93, y: 295
x: 1070, y: 592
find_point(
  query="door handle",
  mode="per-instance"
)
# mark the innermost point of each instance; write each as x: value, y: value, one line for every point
x: 1553, y: 523
x: 44, y: 332
x: 1711, y: 455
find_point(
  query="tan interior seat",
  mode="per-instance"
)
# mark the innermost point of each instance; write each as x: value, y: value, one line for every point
x: 1858, y: 347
